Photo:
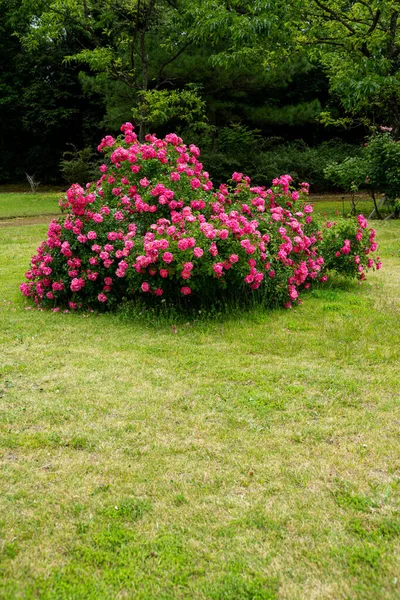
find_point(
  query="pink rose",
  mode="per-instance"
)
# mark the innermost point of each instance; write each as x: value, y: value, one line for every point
x: 183, y: 244
x: 195, y: 183
x: 168, y: 257
x: 213, y: 250
x: 218, y: 269
x: 77, y: 284
x: 237, y: 177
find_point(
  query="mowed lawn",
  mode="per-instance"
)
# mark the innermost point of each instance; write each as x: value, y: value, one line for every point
x: 16, y: 205
x: 235, y: 458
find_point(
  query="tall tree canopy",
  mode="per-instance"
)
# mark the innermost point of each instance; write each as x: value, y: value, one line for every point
x: 225, y: 68
x: 358, y: 44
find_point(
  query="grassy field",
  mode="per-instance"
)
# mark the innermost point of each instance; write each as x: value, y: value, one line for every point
x: 14, y: 205
x: 235, y: 458
x: 333, y: 206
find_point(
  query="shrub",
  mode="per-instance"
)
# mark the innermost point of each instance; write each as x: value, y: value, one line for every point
x: 376, y: 169
x: 237, y: 147
x: 347, y: 250
x: 78, y: 166
x: 302, y: 162
x: 154, y: 227
x: 232, y: 148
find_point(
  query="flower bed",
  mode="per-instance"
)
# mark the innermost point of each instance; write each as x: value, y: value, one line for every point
x: 154, y: 226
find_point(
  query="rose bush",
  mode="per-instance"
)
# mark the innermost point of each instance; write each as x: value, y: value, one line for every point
x: 154, y: 226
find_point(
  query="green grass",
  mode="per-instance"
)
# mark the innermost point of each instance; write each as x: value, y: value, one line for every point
x: 338, y: 205
x: 28, y: 205
x: 239, y: 457
x: 14, y: 204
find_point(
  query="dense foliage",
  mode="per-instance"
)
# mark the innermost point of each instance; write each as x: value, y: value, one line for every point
x: 154, y: 226
x: 376, y: 168
x: 234, y: 77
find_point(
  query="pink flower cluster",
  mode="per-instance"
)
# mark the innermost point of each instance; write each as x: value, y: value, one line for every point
x: 153, y: 225
x: 348, y: 246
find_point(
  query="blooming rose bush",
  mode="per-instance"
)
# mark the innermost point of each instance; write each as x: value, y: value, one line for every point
x: 154, y: 226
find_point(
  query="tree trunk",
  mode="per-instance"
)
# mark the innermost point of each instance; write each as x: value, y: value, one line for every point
x: 376, y: 206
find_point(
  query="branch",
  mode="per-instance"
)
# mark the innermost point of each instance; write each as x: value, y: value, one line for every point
x: 336, y: 16
x: 331, y: 42
x: 172, y: 59
x: 375, y: 22
x: 393, y: 24
x: 393, y: 51
x: 123, y: 14
x: 67, y: 17
x: 172, y: 4
x: 368, y: 7
x: 364, y: 50
x: 118, y: 75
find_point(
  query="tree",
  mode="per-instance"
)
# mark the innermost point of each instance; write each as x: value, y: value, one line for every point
x: 239, y: 66
x: 127, y: 45
x: 143, y: 54
x: 10, y: 82
x: 43, y: 107
x: 355, y: 41
x: 376, y: 169
x: 358, y: 44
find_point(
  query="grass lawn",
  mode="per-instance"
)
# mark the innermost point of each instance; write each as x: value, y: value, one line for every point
x: 14, y: 205
x: 238, y: 458
x: 333, y: 206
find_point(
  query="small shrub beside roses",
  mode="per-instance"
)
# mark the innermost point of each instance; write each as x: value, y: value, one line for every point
x: 154, y: 226
x: 348, y: 246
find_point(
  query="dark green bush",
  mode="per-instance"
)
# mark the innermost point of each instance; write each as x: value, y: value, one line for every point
x: 79, y: 166
x: 238, y: 147
x: 302, y: 162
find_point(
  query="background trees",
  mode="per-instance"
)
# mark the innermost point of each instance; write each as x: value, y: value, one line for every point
x: 243, y: 79
x: 357, y: 44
